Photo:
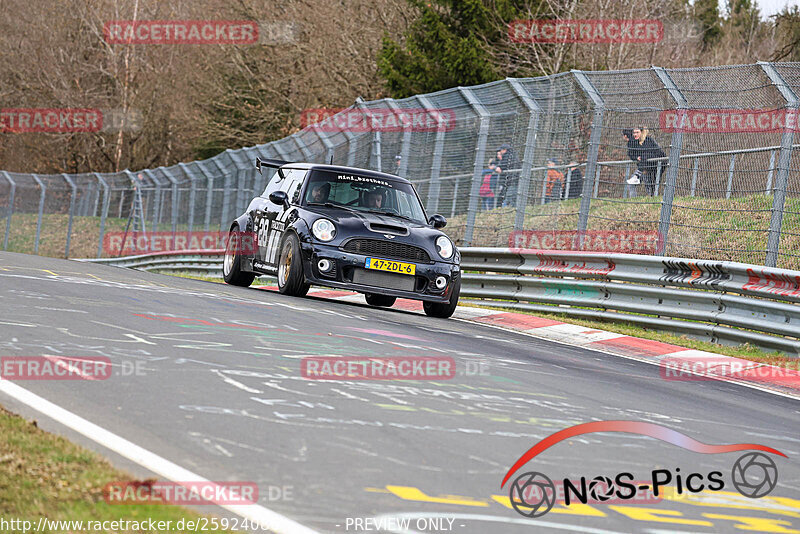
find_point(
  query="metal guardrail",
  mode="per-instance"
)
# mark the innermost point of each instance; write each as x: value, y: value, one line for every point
x: 199, y: 262
x: 718, y: 301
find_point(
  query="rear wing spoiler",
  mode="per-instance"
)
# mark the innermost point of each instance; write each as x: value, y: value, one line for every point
x: 270, y: 163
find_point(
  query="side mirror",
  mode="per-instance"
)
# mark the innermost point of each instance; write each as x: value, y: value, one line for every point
x: 437, y: 221
x: 280, y: 198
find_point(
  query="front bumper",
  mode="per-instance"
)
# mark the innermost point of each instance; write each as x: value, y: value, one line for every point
x: 346, y: 263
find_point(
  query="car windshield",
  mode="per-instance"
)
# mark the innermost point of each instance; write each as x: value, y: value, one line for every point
x: 364, y: 193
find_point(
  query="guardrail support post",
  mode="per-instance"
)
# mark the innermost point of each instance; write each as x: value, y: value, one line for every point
x: 71, y: 211
x: 782, y: 178
x: 673, y: 163
x: 106, y: 197
x: 480, y: 157
x: 594, y: 148
x: 10, y: 207
x: 435, y: 185
x: 530, y: 147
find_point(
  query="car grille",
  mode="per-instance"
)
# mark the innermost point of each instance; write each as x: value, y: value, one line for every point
x: 386, y: 249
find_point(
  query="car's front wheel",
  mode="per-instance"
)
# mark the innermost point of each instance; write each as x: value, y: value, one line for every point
x: 290, y: 268
x: 231, y: 263
x: 444, y: 309
x: 379, y: 300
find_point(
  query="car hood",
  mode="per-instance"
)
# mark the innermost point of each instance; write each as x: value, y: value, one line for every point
x: 351, y: 224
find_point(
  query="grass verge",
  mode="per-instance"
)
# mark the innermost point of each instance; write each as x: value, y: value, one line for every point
x: 44, y: 475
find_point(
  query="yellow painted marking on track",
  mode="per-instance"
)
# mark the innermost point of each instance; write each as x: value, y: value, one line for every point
x: 758, y: 524
x: 657, y: 515
x: 559, y: 508
x: 729, y: 499
x: 413, y: 494
x: 46, y: 271
x: 377, y: 490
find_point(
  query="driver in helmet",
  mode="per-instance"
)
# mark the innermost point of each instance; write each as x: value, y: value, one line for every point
x: 375, y: 199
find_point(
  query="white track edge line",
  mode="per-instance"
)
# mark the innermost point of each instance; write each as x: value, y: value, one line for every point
x: 589, y: 346
x: 149, y: 460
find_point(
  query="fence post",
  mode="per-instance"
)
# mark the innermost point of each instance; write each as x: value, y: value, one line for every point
x: 242, y: 172
x: 325, y: 141
x: 530, y: 147
x: 279, y: 149
x: 157, y: 197
x: 694, y: 175
x: 673, y: 164
x: 594, y: 149
x: 209, y: 193
x: 405, y: 146
x: 71, y: 211
x: 782, y: 178
x: 104, y: 213
x: 480, y: 156
x: 731, y: 168
x: 307, y: 154
x: 226, y: 192
x: 192, y: 195
x: 434, y: 188
x: 10, y: 207
x: 175, y: 199
x: 43, y: 189
x: 768, y: 189
x: 375, y: 146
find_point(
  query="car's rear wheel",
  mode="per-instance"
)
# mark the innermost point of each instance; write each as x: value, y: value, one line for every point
x: 290, y: 268
x: 231, y: 264
x: 444, y: 309
x: 379, y: 300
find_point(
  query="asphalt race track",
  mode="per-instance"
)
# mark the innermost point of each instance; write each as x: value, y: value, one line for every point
x: 208, y: 377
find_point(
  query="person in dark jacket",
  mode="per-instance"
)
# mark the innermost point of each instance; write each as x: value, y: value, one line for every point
x: 631, y: 182
x: 644, y: 151
x: 505, y: 163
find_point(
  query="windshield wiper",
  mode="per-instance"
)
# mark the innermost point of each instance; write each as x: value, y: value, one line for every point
x: 391, y: 214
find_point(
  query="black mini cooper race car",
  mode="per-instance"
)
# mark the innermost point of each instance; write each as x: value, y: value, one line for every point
x: 345, y: 228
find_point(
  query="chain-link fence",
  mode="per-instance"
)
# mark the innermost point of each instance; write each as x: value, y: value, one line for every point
x: 683, y: 162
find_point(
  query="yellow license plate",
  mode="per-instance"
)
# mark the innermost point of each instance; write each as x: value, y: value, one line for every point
x: 391, y: 266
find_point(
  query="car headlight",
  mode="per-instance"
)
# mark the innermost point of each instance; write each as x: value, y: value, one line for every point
x: 444, y: 247
x: 323, y: 229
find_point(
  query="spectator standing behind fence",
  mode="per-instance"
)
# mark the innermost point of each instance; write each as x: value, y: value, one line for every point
x: 645, y: 149
x: 555, y: 181
x: 504, y: 164
x: 489, y: 177
x: 631, y: 182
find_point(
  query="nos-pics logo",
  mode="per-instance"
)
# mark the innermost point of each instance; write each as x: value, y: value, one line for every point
x: 533, y: 494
